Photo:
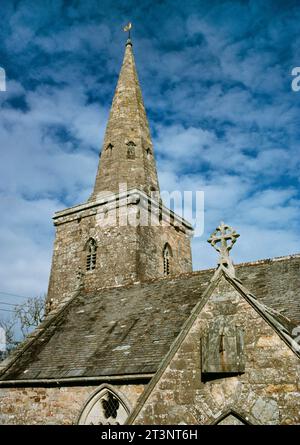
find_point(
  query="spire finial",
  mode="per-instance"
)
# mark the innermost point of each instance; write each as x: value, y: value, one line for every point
x: 127, y: 28
x: 223, y: 239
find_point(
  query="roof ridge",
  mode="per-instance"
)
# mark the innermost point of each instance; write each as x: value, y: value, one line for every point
x: 198, y: 272
x: 268, y: 260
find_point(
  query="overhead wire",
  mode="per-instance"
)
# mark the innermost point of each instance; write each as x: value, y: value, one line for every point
x: 12, y: 295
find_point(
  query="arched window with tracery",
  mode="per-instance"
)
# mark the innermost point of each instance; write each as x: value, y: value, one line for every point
x: 105, y: 407
x: 91, y: 256
x: 131, y: 150
x: 167, y: 254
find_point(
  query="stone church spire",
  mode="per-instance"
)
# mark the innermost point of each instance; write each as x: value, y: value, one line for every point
x: 127, y: 154
x: 123, y: 234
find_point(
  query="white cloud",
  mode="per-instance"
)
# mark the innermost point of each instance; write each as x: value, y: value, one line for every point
x: 26, y: 238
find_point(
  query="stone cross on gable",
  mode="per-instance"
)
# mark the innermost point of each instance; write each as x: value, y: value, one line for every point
x: 223, y: 239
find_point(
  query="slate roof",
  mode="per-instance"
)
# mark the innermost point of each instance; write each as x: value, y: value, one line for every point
x: 129, y: 330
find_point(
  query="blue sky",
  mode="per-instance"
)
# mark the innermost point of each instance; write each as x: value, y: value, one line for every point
x: 216, y: 80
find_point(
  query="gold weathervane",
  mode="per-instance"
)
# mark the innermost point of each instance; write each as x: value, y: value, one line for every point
x: 127, y: 28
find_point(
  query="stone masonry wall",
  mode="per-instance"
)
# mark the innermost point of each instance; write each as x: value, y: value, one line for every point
x: 150, y: 253
x: 126, y: 253
x: 52, y: 406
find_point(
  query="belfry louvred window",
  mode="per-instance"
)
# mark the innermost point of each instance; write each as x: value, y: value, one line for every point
x: 131, y: 150
x: 109, y: 148
x: 91, y: 255
x: 148, y: 153
x: 167, y: 254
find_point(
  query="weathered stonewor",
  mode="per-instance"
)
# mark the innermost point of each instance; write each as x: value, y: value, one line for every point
x: 130, y: 230
x: 53, y: 406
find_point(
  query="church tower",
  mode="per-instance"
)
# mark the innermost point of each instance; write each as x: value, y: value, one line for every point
x: 123, y: 233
